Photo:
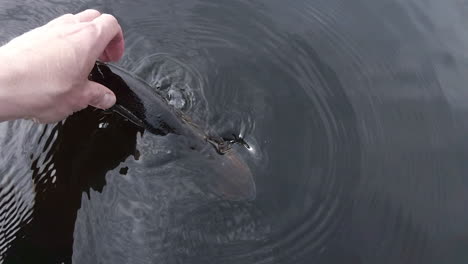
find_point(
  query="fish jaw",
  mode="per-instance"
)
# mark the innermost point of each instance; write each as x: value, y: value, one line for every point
x: 233, y: 179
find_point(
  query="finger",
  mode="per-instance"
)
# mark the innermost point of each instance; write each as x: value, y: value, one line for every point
x: 64, y: 19
x: 87, y: 15
x: 110, y: 45
x: 98, y: 95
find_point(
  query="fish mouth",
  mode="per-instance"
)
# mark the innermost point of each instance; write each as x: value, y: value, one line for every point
x: 236, y: 182
x: 226, y: 176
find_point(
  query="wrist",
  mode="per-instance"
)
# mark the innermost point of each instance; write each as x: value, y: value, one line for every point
x: 10, y: 97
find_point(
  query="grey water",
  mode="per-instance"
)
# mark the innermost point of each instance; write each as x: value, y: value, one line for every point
x: 356, y: 113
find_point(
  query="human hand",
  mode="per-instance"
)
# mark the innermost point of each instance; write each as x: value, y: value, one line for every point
x: 44, y: 72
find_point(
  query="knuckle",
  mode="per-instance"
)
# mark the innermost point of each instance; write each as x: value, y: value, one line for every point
x: 92, y: 29
x: 68, y: 18
x: 110, y: 19
x: 91, y: 96
x: 94, y: 101
x: 90, y: 10
x: 97, y: 13
x: 78, y: 103
x: 82, y: 104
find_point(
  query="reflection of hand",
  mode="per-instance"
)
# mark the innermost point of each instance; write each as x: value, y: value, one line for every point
x: 44, y: 72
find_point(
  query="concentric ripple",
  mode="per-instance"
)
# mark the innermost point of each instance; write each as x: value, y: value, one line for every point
x: 354, y: 111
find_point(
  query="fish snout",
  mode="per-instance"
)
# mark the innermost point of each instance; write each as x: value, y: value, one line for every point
x: 234, y: 179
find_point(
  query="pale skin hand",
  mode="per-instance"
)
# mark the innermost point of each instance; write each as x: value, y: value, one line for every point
x: 44, y: 72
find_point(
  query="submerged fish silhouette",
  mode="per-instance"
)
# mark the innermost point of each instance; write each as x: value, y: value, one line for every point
x: 138, y: 103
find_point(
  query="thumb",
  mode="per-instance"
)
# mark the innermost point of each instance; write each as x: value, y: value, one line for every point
x: 98, y: 95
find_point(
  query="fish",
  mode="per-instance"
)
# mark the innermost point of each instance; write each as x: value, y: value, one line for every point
x: 74, y: 157
x: 140, y: 104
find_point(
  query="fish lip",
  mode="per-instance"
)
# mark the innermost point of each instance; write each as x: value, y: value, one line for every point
x: 236, y: 181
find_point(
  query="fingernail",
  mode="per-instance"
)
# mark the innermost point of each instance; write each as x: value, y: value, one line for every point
x: 108, y: 101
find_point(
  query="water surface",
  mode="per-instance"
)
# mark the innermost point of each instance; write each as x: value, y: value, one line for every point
x: 355, y: 110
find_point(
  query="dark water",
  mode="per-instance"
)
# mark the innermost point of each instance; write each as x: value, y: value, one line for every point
x: 356, y: 112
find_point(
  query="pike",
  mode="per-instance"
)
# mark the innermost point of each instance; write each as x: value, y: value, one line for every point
x: 137, y: 102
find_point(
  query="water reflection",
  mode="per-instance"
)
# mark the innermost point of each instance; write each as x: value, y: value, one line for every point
x: 75, y: 157
x: 356, y: 111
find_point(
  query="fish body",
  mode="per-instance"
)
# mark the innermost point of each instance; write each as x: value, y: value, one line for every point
x: 141, y: 105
